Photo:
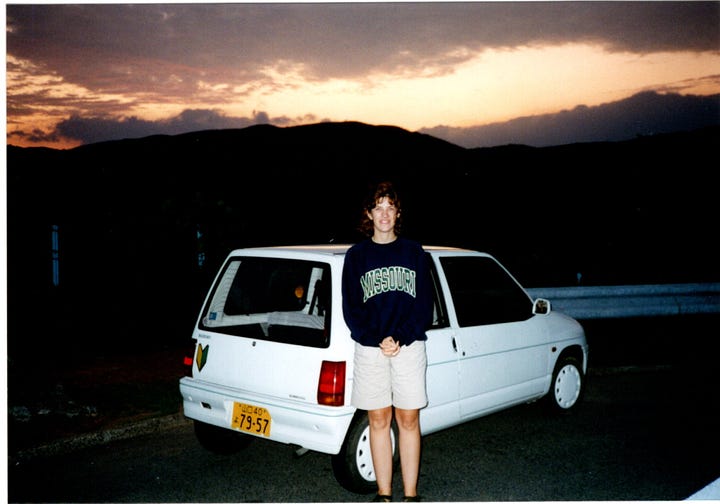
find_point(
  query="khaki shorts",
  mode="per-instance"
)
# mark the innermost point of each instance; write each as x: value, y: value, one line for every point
x: 380, y: 381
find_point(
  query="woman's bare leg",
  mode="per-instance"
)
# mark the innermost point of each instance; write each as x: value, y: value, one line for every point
x: 410, y: 445
x: 381, y: 448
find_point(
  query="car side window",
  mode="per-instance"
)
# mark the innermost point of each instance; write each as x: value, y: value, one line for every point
x: 483, y: 292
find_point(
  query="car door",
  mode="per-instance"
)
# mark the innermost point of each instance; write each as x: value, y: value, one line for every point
x: 502, y: 355
x: 442, y: 371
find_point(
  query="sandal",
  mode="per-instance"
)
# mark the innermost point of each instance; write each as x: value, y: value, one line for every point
x: 382, y: 498
x: 412, y: 498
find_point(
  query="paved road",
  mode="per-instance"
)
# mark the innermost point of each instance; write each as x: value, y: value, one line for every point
x: 639, y: 435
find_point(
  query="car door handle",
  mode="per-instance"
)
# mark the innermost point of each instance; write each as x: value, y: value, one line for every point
x: 454, y: 344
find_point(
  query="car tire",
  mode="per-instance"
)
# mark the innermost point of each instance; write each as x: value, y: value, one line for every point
x: 353, y: 465
x: 567, y: 386
x: 220, y: 440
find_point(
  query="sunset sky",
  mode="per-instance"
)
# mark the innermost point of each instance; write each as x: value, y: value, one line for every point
x: 81, y: 73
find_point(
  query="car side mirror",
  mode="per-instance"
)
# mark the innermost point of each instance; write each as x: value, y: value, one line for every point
x: 541, y: 306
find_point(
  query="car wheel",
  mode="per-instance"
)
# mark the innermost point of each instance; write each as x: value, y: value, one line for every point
x: 353, y: 465
x: 567, y: 385
x: 220, y: 440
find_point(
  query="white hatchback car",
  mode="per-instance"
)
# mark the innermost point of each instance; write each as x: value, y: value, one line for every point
x: 273, y: 356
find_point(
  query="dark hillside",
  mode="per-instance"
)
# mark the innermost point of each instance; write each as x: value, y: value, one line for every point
x: 637, y: 211
x: 144, y: 223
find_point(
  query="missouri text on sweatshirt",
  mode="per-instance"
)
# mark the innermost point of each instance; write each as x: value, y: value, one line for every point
x: 387, y: 291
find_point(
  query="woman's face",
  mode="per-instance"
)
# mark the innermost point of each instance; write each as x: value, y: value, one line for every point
x: 384, y: 215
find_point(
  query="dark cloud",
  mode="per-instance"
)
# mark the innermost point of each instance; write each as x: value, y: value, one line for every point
x: 146, y: 43
x: 36, y: 135
x: 646, y: 113
x: 95, y: 129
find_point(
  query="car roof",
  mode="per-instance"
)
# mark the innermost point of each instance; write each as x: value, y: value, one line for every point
x: 336, y: 248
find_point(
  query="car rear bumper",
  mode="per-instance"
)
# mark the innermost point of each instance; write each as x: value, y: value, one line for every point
x: 311, y: 426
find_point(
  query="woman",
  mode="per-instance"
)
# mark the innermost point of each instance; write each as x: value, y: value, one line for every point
x: 387, y: 303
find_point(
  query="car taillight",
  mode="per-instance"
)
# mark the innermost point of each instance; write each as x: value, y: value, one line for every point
x: 188, y: 359
x: 331, y: 387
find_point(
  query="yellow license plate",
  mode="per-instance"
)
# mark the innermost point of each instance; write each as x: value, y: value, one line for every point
x: 252, y: 419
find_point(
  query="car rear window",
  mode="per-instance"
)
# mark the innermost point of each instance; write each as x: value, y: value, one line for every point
x: 283, y: 300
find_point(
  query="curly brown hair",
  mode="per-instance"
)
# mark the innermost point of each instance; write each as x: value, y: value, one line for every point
x: 378, y: 192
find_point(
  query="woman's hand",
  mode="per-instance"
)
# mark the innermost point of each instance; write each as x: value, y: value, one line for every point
x: 390, y: 347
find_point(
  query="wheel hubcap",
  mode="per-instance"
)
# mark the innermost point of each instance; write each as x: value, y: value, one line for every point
x: 567, y: 386
x: 363, y: 457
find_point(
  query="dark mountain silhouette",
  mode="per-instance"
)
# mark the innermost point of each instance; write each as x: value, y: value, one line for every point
x: 645, y: 113
x: 144, y: 223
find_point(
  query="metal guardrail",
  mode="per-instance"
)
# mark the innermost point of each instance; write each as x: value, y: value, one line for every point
x: 632, y: 300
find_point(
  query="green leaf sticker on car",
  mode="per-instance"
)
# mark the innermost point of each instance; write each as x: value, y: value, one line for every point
x: 201, y: 357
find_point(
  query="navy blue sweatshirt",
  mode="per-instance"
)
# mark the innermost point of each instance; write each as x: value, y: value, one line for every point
x: 387, y: 291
